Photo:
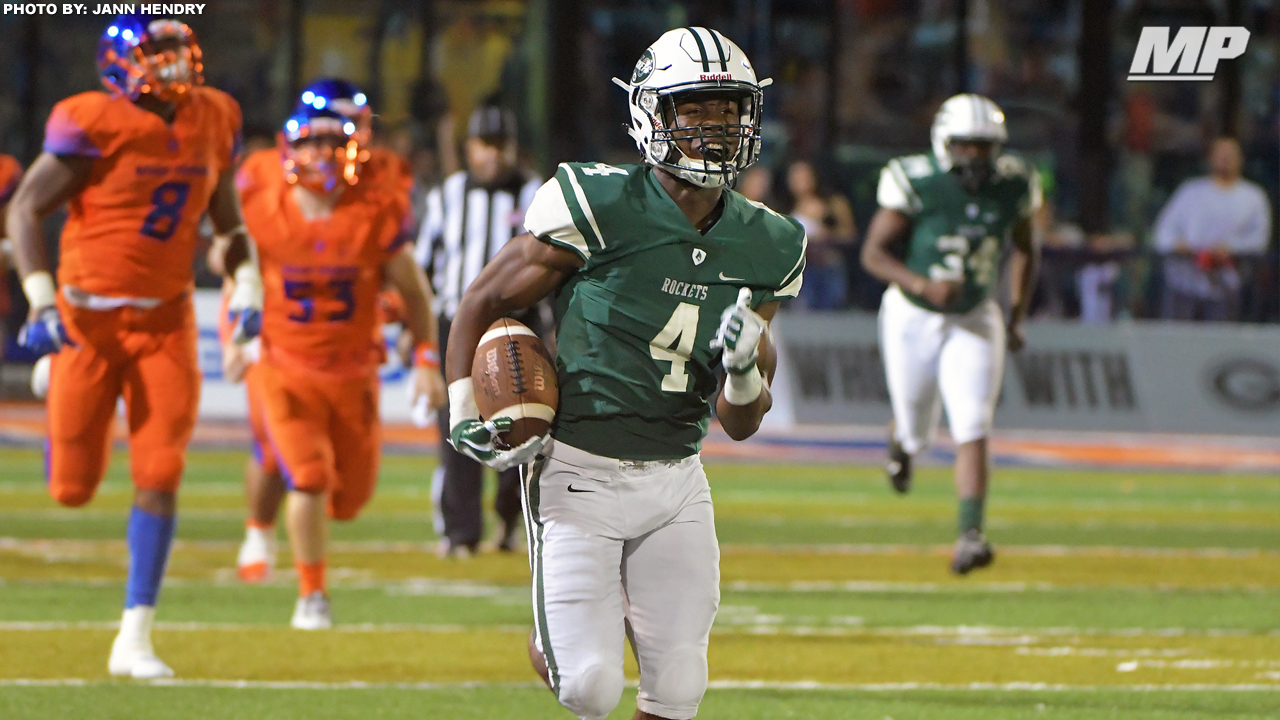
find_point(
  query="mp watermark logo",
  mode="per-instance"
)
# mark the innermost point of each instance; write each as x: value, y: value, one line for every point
x: 1195, y: 50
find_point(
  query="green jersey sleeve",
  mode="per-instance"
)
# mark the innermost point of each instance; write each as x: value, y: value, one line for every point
x: 787, y: 243
x: 561, y: 215
x: 895, y: 191
x: 1016, y: 169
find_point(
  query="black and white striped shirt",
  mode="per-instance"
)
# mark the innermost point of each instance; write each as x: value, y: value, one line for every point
x: 466, y: 224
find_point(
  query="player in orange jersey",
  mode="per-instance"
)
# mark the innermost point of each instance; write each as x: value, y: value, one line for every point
x: 10, y: 174
x: 138, y: 167
x: 328, y: 217
x: 264, y: 487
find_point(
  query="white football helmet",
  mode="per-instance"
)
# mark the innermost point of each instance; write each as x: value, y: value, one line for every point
x: 687, y: 60
x: 967, y: 117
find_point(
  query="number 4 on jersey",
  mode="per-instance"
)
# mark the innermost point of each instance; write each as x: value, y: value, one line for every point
x: 602, y: 169
x: 675, y: 344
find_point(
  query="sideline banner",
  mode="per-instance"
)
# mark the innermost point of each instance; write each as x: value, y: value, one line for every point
x: 1142, y: 376
x: 220, y: 400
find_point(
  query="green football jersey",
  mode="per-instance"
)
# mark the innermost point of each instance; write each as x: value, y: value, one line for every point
x: 634, y: 354
x: 957, y: 235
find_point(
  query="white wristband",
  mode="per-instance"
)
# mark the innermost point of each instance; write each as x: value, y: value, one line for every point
x: 462, y: 402
x: 228, y: 235
x: 248, y: 287
x: 745, y: 388
x: 39, y: 289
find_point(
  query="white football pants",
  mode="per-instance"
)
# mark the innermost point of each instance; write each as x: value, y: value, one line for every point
x: 622, y: 548
x: 934, y: 359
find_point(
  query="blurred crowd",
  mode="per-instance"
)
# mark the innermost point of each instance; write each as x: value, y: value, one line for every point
x: 1191, y: 233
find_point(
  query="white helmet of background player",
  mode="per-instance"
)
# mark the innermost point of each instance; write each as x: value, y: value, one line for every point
x: 686, y: 60
x: 967, y: 117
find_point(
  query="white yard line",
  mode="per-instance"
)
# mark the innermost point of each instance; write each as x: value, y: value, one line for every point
x: 962, y: 632
x: 714, y: 685
x: 400, y: 546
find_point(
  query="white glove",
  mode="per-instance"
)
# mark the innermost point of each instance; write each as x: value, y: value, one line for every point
x: 739, y: 334
x: 473, y: 437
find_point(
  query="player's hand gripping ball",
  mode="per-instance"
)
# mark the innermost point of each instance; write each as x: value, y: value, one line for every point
x: 740, y: 331
x: 514, y: 382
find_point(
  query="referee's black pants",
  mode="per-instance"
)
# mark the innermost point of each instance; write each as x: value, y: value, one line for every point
x: 461, y: 497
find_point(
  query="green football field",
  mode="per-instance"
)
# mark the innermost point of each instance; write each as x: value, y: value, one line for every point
x: 1114, y: 595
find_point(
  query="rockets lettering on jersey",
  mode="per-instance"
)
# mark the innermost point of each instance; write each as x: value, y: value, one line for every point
x: 132, y: 231
x: 321, y: 278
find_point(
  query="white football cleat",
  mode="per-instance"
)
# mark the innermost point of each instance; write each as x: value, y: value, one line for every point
x: 257, y: 555
x: 132, y: 654
x: 312, y: 613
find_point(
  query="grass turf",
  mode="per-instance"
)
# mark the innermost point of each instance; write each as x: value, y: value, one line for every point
x: 125, y: 702
x: 828, y: 577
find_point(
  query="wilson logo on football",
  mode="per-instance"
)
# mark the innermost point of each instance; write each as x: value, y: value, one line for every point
x: 1155, y: 57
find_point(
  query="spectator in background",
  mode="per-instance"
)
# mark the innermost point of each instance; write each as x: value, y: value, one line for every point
x: 756, y: 185
x: 1208, y: 225
x: 828, y: 221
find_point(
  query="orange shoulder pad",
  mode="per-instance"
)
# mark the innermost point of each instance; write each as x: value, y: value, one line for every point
x: 90, y: 123
x: 260, y: 170
x: 228, y: 120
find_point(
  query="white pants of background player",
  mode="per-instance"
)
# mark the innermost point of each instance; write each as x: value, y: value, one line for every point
x: 934, y: 359
x: 622, y: 548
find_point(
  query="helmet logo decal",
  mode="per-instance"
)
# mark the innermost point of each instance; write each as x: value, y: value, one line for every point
x: 699, y: 255
x: 644, y: 68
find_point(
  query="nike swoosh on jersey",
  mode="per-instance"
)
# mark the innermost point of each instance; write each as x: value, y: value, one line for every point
x: 576, y: 490
x: 730, y: 279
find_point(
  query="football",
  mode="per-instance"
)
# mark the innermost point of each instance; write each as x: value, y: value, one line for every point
x: 515, y: 377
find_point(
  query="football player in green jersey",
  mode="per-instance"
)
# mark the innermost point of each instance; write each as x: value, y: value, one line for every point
x: 663, y: 277
x: 941, y: 332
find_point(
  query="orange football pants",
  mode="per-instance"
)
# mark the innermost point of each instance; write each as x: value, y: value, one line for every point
x: 258, y: 421
x: 149, y: 358
x: 325, y: 432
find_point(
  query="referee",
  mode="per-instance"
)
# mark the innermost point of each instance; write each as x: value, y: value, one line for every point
x: 468, y: 220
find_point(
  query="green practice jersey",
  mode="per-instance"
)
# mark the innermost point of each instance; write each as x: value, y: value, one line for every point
x: 957, y: 235
x: 634, y: 353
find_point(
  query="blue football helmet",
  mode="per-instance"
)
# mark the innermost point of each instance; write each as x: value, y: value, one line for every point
x: 327, y: 136
x: 140, y: 55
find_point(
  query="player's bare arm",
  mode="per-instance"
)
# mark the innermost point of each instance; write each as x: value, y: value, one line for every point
x: 1024, y: 268
x: 50, y: 182
x: 525, y: 271
x: 405, y: 276
x: 886, y: 238
x: 231, y: 241
x: 233, y: 255
x: 742, y: 421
